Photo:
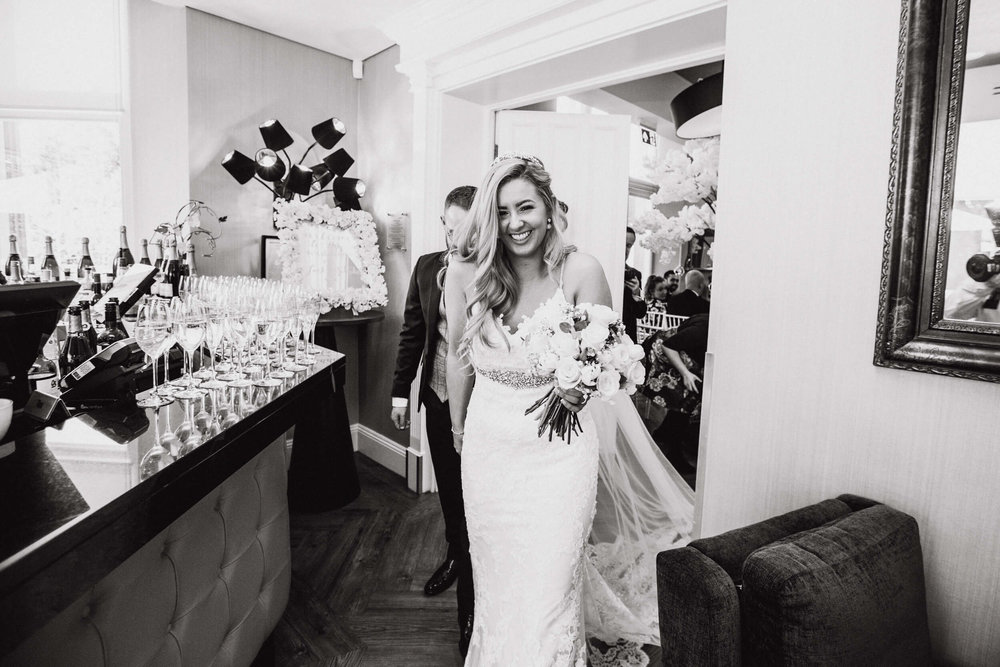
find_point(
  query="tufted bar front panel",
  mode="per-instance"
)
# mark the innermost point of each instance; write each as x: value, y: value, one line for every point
x: 207, y: 590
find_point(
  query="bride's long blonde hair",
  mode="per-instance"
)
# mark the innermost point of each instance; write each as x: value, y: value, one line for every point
x: 495, y: 289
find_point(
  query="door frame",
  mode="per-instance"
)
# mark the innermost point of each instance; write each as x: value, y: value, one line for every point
x: 492, y: 48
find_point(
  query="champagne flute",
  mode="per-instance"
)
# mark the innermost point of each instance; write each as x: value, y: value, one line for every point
x: 152, y: 333
x: 189, y: 330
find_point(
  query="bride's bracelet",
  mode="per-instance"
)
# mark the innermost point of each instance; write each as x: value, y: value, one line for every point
x: 454, y: 432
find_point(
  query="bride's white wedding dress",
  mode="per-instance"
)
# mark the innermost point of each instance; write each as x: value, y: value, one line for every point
x: 547, y: 573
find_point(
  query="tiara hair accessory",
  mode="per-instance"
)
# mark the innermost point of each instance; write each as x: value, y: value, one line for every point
x: 517, y: 156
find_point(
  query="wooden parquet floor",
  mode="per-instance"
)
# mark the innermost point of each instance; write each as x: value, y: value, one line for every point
x: 357, y: 583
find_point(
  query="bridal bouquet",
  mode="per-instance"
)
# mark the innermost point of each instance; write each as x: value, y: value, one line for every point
x: 582, y: 347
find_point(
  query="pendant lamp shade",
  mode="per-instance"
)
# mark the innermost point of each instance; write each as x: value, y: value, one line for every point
x: 299, y: 180
x: 697, y: 110
x: 339, y: 162
x: 329, y: 132
x: 275, y: 136
x: 269, y: 166
x: 239, y: 166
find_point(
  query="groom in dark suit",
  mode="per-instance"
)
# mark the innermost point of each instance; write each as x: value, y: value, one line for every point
x: 424, y: 336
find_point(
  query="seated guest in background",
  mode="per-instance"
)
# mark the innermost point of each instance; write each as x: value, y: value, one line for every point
x: 656, y: 293
x: 693, y: 299
x: 673, y: 282
x: 677, y: 366
x: 633, y: 305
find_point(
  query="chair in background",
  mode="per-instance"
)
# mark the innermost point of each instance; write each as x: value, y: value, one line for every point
x: 656, y: 320
x: 840, y: 582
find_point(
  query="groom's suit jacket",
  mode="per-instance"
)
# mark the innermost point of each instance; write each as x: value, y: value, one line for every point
x: 419, y: 336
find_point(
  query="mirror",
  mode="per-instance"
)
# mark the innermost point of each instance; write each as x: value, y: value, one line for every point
x: 939, y: 302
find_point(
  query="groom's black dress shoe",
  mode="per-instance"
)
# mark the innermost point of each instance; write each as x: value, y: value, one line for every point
x: 442, y: 578
x: 464, y: 633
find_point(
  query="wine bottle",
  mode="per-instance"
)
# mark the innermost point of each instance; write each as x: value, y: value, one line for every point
x: 190, y: 268
x: 12, y: 256
x: 123, y: 260
x: 171, y: 270
x: 50, y: 262
x: 96, y: 289
x: 157, y: 247
x: 88, y: 324
x: 113, y: 330
x: 85, y: 261
x: 77, y: 348
x: 16, y: 276
x: 144, y: 259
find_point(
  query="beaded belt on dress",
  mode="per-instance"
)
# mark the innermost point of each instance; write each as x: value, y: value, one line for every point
x: 516, y: 379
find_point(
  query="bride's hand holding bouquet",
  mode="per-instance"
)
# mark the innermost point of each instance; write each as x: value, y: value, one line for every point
x: 587, y: 352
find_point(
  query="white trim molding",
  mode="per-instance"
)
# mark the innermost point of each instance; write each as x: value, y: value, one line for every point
x: 385, y: 451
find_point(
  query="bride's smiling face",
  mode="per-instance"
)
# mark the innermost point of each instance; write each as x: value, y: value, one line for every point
x: 523, y: 218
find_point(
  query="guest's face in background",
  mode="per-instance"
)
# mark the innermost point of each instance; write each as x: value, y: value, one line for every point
x: 671, y: 283
x: 523, y: 218
x: 629, y: 242
x: 452, y: 219
x: 660, y: 292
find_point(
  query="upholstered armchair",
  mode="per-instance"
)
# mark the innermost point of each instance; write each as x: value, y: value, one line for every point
x: 840, y: 582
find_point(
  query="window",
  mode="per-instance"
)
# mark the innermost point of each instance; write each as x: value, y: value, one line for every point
x: 61, y: 119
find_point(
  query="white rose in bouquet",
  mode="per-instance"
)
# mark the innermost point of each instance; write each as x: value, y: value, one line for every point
x: 589, y: 374
x: 564, y: 344
x: 547, y: 362
x: 568, y: 373
x: 608, y: 383
x: 594, y: 335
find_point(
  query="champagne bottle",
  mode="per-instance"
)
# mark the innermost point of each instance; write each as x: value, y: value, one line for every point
x: 157, y: 247
x: 171, y: 270
x: 190, y: 269
x: 31, y: 269
x: 113, y: 330
x: 144, y: 259
x: 85, y: 261
x: 16, y: 276
x: 88, y: 324
x: 96, y: 288
x: 123, y: 260
x: 77, y: 348
x: 13, y: 256
x: 50, y: 262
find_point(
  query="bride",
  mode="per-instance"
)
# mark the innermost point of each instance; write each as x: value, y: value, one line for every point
x: 562, y: 537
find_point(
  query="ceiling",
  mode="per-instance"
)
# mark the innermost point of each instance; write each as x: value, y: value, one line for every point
x: 346, y: 28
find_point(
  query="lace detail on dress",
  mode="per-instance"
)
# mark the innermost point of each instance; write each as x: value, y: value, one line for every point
x: 622, y: 654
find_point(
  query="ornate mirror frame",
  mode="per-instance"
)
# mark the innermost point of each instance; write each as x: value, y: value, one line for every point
x: 912, y: 333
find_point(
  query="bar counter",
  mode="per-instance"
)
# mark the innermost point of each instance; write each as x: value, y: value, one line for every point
x: 78, y: 498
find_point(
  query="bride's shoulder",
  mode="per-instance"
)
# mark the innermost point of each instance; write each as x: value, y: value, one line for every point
x: 583, y: 279
x: 581, y: 265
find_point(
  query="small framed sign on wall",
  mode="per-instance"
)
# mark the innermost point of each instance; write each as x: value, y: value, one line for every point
x: 270, y: 257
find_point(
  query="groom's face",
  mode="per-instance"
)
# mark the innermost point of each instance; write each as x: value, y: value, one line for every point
x: 452, y: 219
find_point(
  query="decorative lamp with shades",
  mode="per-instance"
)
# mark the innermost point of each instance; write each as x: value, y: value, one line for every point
x: 286, y: 179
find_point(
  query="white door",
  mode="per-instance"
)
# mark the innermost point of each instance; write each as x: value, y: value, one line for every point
x: 588, y: 159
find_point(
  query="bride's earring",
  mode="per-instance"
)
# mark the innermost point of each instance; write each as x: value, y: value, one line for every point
x: 549, y: 224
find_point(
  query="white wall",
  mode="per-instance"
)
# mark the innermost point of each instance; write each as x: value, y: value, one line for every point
x: 797, y: 411
x: 158, y: 100
x: 385, y: 151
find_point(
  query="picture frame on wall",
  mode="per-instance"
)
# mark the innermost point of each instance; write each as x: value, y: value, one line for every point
x: 270, y: 257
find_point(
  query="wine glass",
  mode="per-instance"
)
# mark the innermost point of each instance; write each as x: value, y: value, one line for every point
x: 152, y: 333
x: 158, y: 457
x: 189, y: 330
x: 268, y: 328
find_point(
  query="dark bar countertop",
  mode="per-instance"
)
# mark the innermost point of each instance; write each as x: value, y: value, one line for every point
x: 77, y: 498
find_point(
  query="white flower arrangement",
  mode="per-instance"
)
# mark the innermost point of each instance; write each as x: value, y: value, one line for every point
x: 582, y: 347
x: 690, y: 175
x: 293, y: 220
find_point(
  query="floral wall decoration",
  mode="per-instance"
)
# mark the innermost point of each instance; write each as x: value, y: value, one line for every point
x: 689, y: 174
x: 332, y: 251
